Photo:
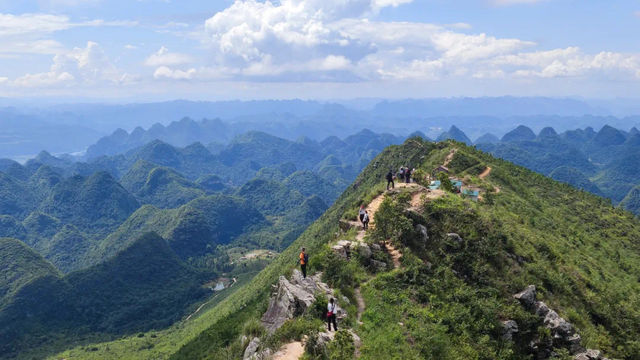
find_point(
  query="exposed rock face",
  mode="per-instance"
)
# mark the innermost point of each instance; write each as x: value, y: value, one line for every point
x: 510, y: 328
x: 252, y: 348
x: 422, y: 231
x: 527, y: 297
x: 292, y: 298
x: 563, y: 334
x: 590, y: 355
x: 455, y: 237
x: 340, y: 251
x: 345, y: 249
x: 364, y: 250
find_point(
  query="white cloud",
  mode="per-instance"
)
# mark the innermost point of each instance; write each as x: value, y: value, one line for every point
x: 130, y: 47
x: 88, y: 65
x: 30, y: 33
x: 34, y: 24
x: 165, y: 58
x: 165, y: 72
x: 335, y: 40
x: 570, y: 62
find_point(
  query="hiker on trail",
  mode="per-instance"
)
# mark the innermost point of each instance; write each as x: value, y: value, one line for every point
x: 361, y: 213
x: 390, y: 180
x: 304, y: 259
x: 407, y: 175
x: 401, y: 174
x: 365, y: 221
x: 331, y: 314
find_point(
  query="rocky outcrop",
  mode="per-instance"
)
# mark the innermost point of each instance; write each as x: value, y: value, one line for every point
x: 527, y: 297
x: 345, y: 249
x: 455, y: 238
x: 422, y: 232
x: 252, y: 349
x: 509, y: 328
x: 563, y: 333
x: 590, y: 355
x: 320, y: 341
x: 292, y: 298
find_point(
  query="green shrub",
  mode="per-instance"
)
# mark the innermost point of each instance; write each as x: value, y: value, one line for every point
x: 253, y: 328
x: 293, y: 330
x: 341, y: 348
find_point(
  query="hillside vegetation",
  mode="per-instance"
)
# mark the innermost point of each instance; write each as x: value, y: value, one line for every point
x: 449, y: 295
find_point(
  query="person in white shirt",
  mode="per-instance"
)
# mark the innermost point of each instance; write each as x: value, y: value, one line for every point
x: 331, y: 314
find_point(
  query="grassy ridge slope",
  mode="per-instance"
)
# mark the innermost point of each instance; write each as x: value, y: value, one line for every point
x: 581, y: 253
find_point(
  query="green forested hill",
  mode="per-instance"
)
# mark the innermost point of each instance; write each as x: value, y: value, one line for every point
x: 144, y: 286
x: 448, y: 297
x: 20, y: 265
x: 631, y: 202
x: 604, y: 162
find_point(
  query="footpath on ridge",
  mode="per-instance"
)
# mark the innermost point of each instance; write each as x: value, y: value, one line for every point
x: 290, y: 295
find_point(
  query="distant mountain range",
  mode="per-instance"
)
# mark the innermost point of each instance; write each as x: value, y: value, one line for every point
x: 27, y: 129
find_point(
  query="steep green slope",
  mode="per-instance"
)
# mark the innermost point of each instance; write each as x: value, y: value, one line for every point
x: 308, y: 184
x: 20, y: 265
x: 448, y: 296
x: 15, y: 198
x: 575, y: 178
x: 631, y: 202
x: 192, y: 230
x: 94, y: 204
x: 521, y: 133
x: 217, y: 327
x: 143, y: 287
x: 159, y: 186
x: 617, y: 179
x: 270, y: 197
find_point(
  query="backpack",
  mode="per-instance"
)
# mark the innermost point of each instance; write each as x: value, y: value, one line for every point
x: 306, y: 258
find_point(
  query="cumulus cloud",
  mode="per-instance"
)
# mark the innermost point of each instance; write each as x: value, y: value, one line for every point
x: 165, y: 72
x: 336, y: 40
x: 163, y: 57
x: 88, y: 65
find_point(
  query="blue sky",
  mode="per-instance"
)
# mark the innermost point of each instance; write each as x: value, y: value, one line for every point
x: 166, y: 49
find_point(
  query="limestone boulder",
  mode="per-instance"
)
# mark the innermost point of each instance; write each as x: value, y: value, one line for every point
x: 509, y: 328
x: 289, y: 301
x: 422, y: 232
x: 251, y: 349
x: 292, y: 298
x: 527, y: 297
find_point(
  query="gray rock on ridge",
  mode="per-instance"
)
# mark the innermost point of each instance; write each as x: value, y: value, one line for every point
x: 422, y: 231
x: 563, y: 332
x: 509, y: 328
x: 292, y: 298
x: 527, y: 297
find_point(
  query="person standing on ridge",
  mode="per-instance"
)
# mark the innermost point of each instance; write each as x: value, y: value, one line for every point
x: 407, y: 175
x: 390, y: 180
x: 331, y: 314
x: 401, y: 174
x: 361, y: 213
x: 303, y: 260
x: 365, y: 220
